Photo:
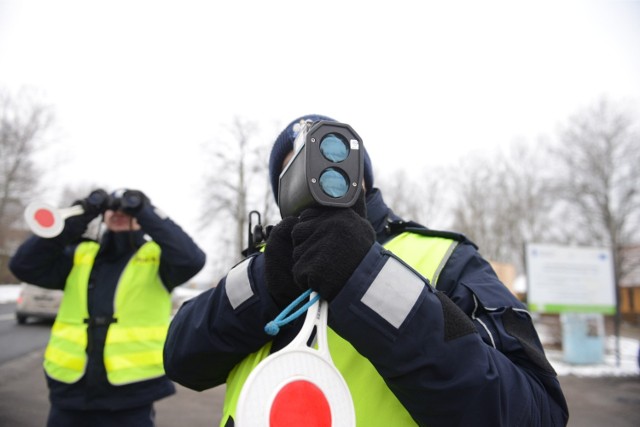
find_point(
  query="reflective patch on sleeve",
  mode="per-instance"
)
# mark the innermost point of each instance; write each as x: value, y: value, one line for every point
x: 394, y: 292
x: 237, y: 284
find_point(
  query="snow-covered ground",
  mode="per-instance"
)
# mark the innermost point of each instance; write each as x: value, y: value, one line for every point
x: 627, y: 366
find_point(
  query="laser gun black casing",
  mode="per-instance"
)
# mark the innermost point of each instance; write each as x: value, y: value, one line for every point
x: 299, y: 183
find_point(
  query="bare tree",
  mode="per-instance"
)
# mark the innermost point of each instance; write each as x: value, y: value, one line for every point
x: 477, y: 206
x: 418, y: 197
x: 528, y: 198
x: 236, y: 184
x: 504, y: 200
x: 24, y: 123
x: 599, y: 152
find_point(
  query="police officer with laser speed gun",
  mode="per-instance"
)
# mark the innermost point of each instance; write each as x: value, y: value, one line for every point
x: 420, y: 327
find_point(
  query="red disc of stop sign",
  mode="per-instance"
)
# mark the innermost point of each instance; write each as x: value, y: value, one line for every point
x: 44, y: 217
x: 300, y: 403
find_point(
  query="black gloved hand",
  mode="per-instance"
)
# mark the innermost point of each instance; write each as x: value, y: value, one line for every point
x: 93, y: 205
x: 278, y: 263
x: 328, y: 245
x: 132, y: 201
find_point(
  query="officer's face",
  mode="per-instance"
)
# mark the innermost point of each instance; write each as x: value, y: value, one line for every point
x: 118, y: 221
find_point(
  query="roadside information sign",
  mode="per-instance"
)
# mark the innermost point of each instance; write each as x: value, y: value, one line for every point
x: 570, y: 279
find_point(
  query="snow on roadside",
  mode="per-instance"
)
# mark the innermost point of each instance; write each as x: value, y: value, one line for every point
x: 628, y: 365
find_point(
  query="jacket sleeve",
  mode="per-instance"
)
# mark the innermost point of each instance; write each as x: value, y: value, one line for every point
x: 214, y: 331
x: 181, y: 258
x: 43, y: 262
x: 466, y: 356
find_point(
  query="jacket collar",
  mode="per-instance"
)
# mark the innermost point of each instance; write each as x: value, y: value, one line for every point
x: 118, y: 244
x: 380, y: 215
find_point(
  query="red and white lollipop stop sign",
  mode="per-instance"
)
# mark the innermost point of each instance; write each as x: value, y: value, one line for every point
x: 298, y: 385
x: 47, y: 221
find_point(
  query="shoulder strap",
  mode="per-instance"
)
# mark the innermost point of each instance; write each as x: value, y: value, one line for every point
x: 396, y: 227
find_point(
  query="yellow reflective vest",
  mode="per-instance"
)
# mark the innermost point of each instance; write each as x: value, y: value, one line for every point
x: 374, y: 404
x: 134, y: 342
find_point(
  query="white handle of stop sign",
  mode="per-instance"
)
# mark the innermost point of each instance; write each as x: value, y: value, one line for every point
x: 297, y: 363
x: 47, y: 221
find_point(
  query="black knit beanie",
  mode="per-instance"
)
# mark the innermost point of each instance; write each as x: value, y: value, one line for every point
x: 284, y: 145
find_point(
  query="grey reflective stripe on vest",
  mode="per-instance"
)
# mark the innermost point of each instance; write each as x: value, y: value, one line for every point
x: 394, y: 292
x: 237, y: 284
x: 436, y: 275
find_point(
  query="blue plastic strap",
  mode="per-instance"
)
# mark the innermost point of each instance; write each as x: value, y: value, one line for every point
x: 272, y: 328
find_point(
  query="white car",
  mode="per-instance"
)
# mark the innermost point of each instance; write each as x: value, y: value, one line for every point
x: 38, y: 303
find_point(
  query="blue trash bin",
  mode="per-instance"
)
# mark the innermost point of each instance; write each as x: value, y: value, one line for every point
x: 583, y: 338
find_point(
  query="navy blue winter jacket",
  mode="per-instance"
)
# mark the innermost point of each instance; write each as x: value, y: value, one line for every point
x: 47, y: 263
x: 497, y: 375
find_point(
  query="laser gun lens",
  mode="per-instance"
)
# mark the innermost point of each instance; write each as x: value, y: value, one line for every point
x: 334, y: 182
x: 334, y: 147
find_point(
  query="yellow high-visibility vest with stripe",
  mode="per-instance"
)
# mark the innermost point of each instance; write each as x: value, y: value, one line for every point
x: 374, y: 403
x: 134, y: 342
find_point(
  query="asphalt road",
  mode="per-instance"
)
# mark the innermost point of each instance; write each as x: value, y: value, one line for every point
x: 24, y: 399
x: 17, y: 340
x: 593, y: 402
x: 23, y: 390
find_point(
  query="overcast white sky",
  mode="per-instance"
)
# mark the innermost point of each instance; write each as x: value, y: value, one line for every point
x: 139, y: 86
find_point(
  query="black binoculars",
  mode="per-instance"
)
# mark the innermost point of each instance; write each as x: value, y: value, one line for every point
x: 118, y: 200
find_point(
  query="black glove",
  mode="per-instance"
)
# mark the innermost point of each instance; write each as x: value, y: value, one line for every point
x: 132, y: 201
x: 328, y: 245
x: 93, y: 205
x: 278, y: 263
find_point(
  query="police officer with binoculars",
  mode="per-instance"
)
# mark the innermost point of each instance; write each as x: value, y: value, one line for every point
x: 103, y: 363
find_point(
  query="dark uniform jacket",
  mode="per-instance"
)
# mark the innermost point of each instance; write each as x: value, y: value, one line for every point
x: 47, y: 263
x: 469, y: 355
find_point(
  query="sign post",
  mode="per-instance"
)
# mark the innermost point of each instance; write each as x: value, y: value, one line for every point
x: 577, y: 283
